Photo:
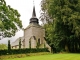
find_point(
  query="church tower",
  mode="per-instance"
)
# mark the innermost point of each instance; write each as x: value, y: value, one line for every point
x: 34, y: 33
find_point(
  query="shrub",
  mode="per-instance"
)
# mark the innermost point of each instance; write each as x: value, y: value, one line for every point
x: 9, y: 46
x: 21, y: 51
x: 20, y: 44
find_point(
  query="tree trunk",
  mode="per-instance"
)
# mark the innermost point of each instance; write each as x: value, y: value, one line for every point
x: 66, y: 48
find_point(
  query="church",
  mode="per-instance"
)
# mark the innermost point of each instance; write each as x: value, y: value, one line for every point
x: 34, y: 34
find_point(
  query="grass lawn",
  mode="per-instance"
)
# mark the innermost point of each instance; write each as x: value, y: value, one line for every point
x: 51, y: 57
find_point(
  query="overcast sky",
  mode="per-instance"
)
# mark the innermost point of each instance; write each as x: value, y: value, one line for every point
x: 25, y: 8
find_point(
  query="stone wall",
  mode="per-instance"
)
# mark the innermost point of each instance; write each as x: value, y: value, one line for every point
x: 36, y: 31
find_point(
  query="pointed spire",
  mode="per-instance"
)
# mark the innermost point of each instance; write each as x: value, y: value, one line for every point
x: 34, y: 18
x: 34, y: 13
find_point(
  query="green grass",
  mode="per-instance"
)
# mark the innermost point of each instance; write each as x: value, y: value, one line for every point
x: 51, y: 57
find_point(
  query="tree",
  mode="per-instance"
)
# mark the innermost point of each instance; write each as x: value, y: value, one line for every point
x: 9, y: 45
x: 10, y: 21
x: 38, y: 43
x: 66, y: 23
x: 30, y: 44
x: 20, y: 44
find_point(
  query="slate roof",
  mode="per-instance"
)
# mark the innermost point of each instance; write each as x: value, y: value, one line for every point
x: 17, y: 41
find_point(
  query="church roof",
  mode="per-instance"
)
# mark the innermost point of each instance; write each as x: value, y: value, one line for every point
x: 34, y: 19
x: 34, y: 25
x: 34, y: 13
x: 16, y: 42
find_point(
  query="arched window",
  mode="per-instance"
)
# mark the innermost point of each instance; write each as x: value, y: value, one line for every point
x: 34, y: 37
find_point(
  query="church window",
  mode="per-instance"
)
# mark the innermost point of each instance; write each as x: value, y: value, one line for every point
x: 34, y: 37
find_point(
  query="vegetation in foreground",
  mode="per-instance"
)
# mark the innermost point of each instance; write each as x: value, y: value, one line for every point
x: 51, y: 57
x: 14, y: 56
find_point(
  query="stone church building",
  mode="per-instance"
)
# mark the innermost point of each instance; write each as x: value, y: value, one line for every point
x: 33, y: 34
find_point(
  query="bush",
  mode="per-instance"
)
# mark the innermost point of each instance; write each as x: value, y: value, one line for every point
x: 21, y: 51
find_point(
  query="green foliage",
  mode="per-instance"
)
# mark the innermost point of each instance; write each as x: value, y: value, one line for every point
x: 44, y: 45
x: 38, y: 43
x: 21, y: 51
x: 3, y: 46
x: 20, y: 44
x: 10, y: 21
x: 64, y: 30
x: 30, y: 44
x: 9, y: 46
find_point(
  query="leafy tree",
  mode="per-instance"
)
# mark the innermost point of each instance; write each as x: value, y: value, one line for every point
x: 10, y: 21
x: 30, y: 44
x: 38, y: 43
x: 9, y: 45
x: 20, y: 44
x: 66, y: 23
x: 3, y: 46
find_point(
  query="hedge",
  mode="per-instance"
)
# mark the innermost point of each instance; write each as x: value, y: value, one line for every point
x: 21, y: 51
